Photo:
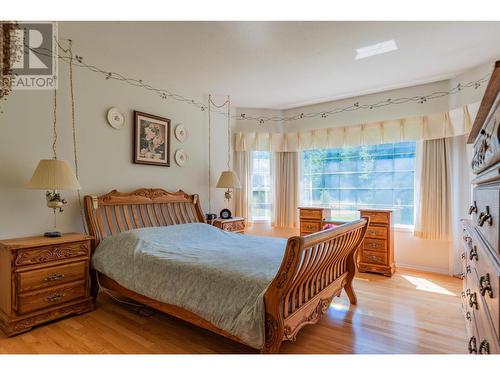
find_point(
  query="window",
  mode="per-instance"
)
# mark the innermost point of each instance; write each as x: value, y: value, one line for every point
x: 261, y: 207
x: 345, y: 179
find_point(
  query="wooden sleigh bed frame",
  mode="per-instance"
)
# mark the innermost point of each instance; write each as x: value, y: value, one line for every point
x: 315, y: 268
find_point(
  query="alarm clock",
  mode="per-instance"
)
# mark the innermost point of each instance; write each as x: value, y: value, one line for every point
x: 225, y: 214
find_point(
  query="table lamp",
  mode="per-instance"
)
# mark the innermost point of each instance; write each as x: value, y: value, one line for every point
x: 53, y: 175
x: 229, y: 180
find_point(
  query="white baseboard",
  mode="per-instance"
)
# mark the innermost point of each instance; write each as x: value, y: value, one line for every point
x: 443, y: 271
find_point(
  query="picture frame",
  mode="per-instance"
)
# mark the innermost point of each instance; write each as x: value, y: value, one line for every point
x: 151, y: 139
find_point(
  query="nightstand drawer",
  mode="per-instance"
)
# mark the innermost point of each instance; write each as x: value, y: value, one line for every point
x: 310, y: 227
x: 375, y: 245
x: 51, y: 297
x: 376, y: 232
x: 311, y: 214
x: 46, y: 277
x: 376, y: 217
x: 373, y: 257
x: 234, y: 226
x: 51, y: 253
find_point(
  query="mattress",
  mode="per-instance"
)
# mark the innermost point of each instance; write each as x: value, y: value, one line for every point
x: 220, y: 276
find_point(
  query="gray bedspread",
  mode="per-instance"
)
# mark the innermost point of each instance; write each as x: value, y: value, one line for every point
x: 220, y: 276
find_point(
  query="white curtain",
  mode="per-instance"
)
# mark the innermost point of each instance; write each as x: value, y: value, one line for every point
x: 461, y: 195
x: 433, y: 190
x: 243, y: 169
x: 286, y: 182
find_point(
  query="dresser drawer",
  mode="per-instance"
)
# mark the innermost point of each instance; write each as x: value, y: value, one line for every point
x: 487, y: 201
x: 310, y: 226
x: 472, y: 338
x: 487, y: 145
x: 50, y: 297
x: 375, y: 245
x: 373, y: 257
x: 376, y: 232
x: 51, y: 253
x: 376, y: 217
x: 487, y: 336
x: 46, y: 277
x: 487, y: 278
x: 470, y: 319
x: 311, y: 214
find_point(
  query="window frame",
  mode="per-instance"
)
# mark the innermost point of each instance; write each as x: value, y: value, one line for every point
x: 399, y: 227
x: 271, y: 188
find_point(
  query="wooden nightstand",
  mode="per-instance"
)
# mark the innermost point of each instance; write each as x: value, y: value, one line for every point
x: 235, y: 224
x: 43, y: 279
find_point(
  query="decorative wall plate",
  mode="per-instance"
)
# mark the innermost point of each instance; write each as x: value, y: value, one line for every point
x: 181, y: 133
x: 181, y: 157
x: 115, y: 118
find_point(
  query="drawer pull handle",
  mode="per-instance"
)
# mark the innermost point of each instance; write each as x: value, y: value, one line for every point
x: 54, y: 277
x: 55, y: 297
x: 485, y: 285
x: 467, y: 316
x: 473, y: 253
x: 473, y: 300
x: 485, y: 217
x: 375, y: 245
x: 484, y: 347
x: 467, y: 270
x: 374, y: 258
x: 473, y: 208
x: 472, y: 345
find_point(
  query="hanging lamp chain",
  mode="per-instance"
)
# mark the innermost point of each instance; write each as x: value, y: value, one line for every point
x: 54, y: 124
x: 228, y: 133
x: 69, y: 52
x: 209, y: 154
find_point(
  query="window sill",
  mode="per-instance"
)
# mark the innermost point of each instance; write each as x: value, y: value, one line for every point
x: 404, y: 228
x: 260, y: 221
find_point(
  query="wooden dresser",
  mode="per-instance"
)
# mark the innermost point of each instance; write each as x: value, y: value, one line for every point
x: 311, y: 219
x: 480, y: 257
x: 235, y: 224
x: 42, y: 279
x: 376, y: 254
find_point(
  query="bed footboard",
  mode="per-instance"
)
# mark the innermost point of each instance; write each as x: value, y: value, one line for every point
x: 315, y: 269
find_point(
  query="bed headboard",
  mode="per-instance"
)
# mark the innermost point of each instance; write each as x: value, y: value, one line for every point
x: 117, y: 212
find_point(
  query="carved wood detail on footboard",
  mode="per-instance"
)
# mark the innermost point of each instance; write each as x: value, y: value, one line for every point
x: 314, y: 270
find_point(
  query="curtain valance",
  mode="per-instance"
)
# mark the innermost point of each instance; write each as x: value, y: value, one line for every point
x: 442, y: 125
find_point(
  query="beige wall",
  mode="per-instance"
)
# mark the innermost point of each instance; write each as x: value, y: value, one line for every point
x: 105, y: 153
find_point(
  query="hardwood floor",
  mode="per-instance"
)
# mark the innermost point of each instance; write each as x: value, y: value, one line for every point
x: 412, y: 312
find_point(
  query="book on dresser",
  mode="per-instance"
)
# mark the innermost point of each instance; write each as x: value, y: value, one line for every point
x: 480, y: 256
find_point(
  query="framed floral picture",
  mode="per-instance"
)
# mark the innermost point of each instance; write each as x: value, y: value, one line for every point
x: 151, y: 139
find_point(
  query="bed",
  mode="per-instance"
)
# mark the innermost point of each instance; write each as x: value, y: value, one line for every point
x: 154, y: 247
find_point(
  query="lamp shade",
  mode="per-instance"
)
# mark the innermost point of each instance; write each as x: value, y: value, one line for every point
x: 54, y: 174
x: 228, y: 179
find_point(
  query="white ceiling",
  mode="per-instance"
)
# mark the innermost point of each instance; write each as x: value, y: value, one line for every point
x: 283, y: 64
